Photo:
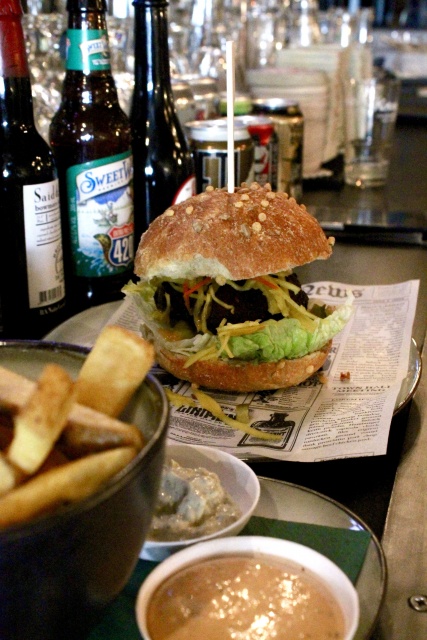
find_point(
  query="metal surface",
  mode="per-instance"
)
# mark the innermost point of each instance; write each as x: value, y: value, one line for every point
x: 404, y: 538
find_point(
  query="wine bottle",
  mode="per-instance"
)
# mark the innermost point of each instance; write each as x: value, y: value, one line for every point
x: 90, y: 136
x: 32, y: 291
x: 164, y: 168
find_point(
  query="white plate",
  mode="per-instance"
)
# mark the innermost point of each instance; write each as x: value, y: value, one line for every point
x: 292, y: 503
x: 84, y: 328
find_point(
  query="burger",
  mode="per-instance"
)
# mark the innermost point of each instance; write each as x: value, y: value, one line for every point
x: 218, y: 294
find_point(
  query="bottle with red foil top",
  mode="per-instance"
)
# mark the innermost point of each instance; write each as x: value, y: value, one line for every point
x: 32, y: 291
x: 163, y: 165
x: 90, y: 137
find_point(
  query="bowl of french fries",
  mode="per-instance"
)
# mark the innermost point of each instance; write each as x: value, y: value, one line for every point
x: 82, y: 439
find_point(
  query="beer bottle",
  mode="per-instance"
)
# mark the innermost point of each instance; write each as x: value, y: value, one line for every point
x: 90, y: 137
x: 32, y: 292
x: 164, y: 169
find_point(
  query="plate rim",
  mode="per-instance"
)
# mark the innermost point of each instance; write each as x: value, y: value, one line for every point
x: 376, y: 544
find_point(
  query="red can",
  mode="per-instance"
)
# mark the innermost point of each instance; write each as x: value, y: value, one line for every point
x: 266, y: 147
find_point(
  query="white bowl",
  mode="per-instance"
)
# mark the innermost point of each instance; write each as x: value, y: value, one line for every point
x: 237, y: 479
x: 334, y: 579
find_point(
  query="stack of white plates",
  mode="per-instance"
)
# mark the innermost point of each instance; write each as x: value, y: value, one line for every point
x: 311, y: 90
x: 338, y: 63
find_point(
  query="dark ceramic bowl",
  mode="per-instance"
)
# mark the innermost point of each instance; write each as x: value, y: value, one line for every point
x: 59, y: 571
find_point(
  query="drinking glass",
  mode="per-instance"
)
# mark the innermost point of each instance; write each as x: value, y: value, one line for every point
x: 371, y: 107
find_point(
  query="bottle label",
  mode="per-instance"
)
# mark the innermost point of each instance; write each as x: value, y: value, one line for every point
x: 43, y: 243
x: 186, y: 190
x: 88, y: 50
x: 100, y: 206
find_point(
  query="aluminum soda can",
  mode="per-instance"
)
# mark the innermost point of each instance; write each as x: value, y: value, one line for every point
x: 289, y: 125
x: 208, y: 144
x: 266, y: 148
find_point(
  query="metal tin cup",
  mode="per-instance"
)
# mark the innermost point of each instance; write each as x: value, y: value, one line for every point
x: 266, y: 148
x: 208, y: 143
x: 289, y: 124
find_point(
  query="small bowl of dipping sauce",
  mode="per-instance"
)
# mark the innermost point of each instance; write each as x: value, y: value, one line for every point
x: 205, y: 493
x: 250, y: 587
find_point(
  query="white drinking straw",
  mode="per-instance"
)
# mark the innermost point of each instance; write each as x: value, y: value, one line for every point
x: 229, y: 57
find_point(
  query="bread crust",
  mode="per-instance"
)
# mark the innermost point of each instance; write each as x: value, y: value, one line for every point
x: 244, y: 376
x: 251, y: 232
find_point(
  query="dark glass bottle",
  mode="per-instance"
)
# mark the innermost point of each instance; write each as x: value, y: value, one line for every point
x: 164, y: 169
x: 32, y: 292
x: 90, y: 137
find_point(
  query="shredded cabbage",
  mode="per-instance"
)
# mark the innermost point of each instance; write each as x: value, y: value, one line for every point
x: 269, y: 341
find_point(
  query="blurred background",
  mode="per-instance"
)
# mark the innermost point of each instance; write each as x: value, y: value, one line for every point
x: 317, y: 42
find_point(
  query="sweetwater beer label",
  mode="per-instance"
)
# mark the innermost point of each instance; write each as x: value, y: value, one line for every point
x: 100, y: 203
x: 88, y: 50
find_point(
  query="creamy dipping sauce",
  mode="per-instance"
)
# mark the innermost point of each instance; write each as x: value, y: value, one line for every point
x: 244, y: 597
x: 191, y: 503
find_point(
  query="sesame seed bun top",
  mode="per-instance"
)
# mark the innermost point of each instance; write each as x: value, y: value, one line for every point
x: 251, y: 232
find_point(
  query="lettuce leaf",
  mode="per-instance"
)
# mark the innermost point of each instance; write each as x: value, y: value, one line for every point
x: 287, y: 338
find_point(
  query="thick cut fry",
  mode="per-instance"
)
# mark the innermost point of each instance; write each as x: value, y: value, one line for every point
x: 68, y: 483
x: 7, y: 475
x: 113, y: 370
x: 89, y: 431
x: 41, y: 420
x: 15, y: 390
x: 84, y: 425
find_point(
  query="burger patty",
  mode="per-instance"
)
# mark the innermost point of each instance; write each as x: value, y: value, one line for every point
x: 249, y: 305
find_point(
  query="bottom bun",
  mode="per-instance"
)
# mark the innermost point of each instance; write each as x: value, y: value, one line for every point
x: 243, y: 376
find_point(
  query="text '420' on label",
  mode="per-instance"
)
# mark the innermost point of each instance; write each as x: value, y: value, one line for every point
x: 100, y: 195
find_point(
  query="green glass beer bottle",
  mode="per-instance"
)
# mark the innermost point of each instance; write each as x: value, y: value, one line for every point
x: 164, y: 167
x: 90, y: 137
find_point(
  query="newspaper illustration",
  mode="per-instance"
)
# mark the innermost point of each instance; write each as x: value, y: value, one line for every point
x: 343, y: 411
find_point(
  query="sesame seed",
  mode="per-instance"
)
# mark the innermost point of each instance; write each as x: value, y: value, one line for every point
x: 271, y: 195
x: 197, y: 226
x: 244, y: 196
x: 203, y: 196
x: 256, y: 227
x: 310, y: 369
x: 238, y: 204
x: 189, y: 209
x: 169, y: 212
x: 262, y: 217
x: 209, y: 188
x: 264, y: 203
x: 244, y: 230
x: 254, y: 186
